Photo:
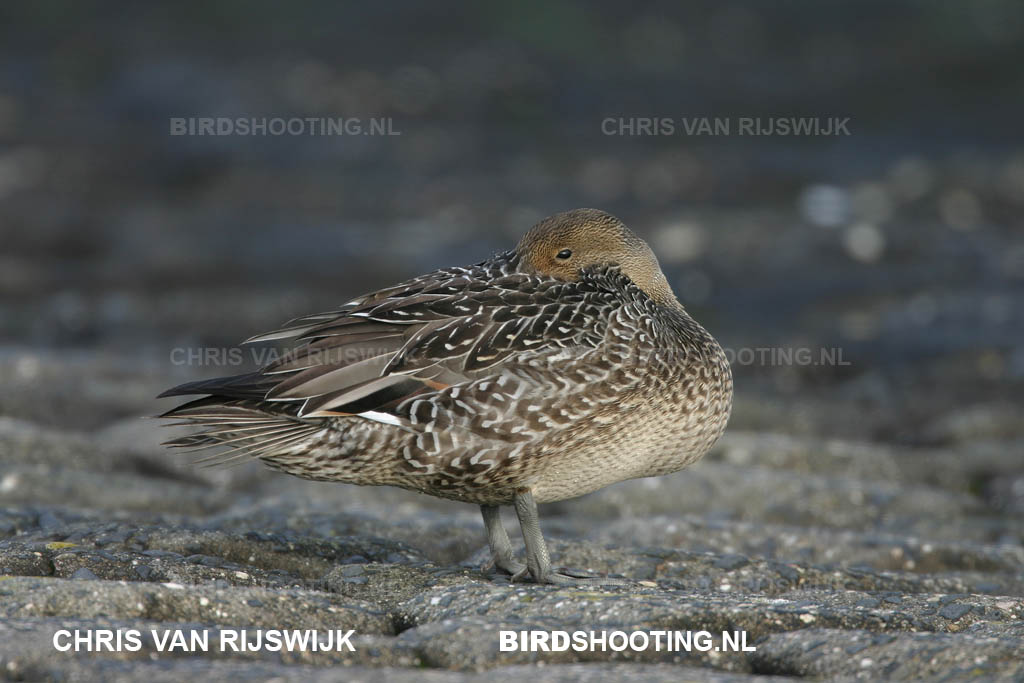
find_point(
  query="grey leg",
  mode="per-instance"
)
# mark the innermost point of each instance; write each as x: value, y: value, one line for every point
x: 538, y: 562
x: 497, y: 538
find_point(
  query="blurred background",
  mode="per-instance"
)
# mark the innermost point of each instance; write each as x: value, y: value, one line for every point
x: 901, y: 244
x: 867, y: 280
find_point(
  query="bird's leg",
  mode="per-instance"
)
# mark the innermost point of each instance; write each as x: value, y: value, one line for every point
x: 497, y: 538
x: 538, y: 562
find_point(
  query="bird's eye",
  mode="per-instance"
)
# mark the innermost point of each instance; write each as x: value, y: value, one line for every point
x: 564, y: 254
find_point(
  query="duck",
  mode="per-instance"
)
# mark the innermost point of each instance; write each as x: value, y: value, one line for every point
x: 541, y: 374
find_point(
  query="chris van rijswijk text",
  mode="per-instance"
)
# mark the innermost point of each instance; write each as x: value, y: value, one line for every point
x: 198, y: 640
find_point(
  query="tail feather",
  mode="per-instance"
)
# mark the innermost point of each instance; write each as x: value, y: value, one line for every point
x: 239, y: 427
x: 252, y: 385
x: 246, y: 449
x: 224, y: 408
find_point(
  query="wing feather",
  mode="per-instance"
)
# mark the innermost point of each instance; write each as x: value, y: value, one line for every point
x: 418, y: 338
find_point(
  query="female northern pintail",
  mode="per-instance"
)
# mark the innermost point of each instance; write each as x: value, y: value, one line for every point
x: 538, y: 375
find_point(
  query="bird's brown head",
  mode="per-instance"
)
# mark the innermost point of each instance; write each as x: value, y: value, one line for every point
x: 562, y: 245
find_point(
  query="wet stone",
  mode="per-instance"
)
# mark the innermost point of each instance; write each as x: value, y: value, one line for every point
x: 84, y: 573
x: 954, y: 611
x: 731, y: 562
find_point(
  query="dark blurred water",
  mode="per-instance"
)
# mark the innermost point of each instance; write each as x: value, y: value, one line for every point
x: 902, y: 244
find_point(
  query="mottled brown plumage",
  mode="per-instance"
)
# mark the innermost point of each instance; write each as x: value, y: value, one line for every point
x: 540, y: 374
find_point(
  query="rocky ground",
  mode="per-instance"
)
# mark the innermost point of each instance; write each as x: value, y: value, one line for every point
x: 838, y: 558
